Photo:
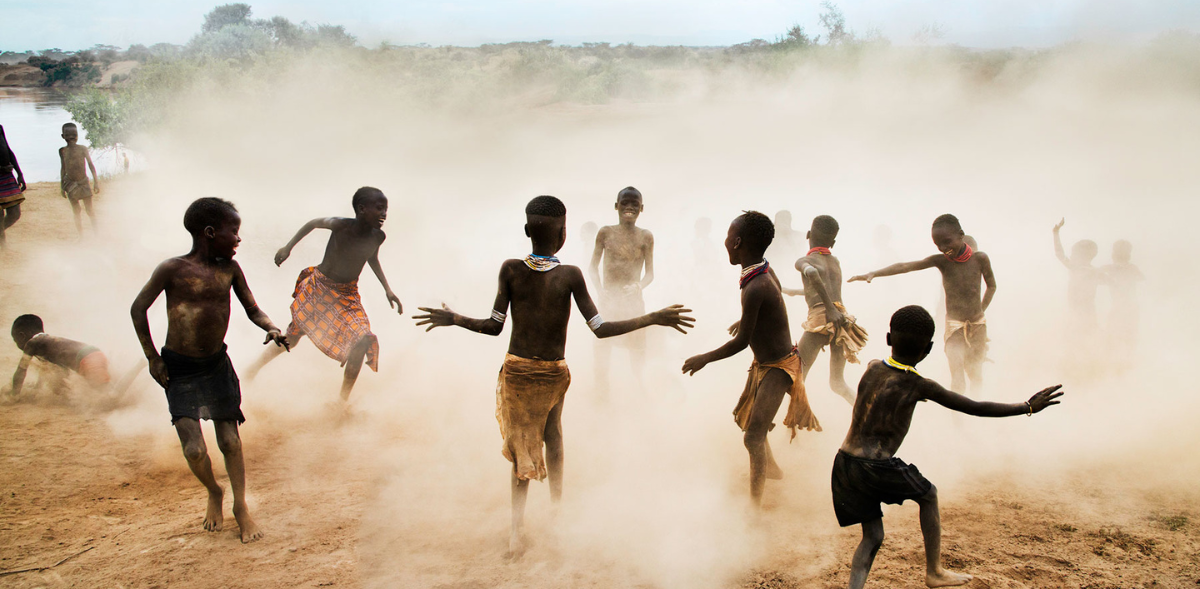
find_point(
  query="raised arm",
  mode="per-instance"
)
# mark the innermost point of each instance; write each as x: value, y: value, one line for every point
x: 285, y: 251
x: 989, y: 279
x: 812, y: 276
x: 899, y: 268
x: 493, y: 325
x: 597, y: 253
x: 751, y: 303
x: 141, y: 323
x: 1058, y: 248
x: 672, y: 316
x: 62, y: 172
x: 253, y: 312
x: 18, y: 379
x: 393, y: 300
x: 16, y: 166
x: 952, y: 400
x: 648, y: 277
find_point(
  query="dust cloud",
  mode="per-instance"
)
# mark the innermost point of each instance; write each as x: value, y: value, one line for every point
x: 656, y: 480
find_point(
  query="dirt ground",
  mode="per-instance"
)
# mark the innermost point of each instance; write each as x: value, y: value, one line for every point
x: 84, y: 504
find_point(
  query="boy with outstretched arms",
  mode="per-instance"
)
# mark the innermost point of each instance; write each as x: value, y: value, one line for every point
x: 963, y: 269
x: 534, y: 378
x: 626, y: 250
x: 31, y: 338
x: 194, y: 368
x: 73, y: 174
x: 764, y: 328
x: 827, y: 322
x: 866, y: 471
x: 326, y: 305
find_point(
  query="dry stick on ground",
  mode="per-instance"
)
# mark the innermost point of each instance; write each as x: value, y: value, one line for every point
x: 30, y: 570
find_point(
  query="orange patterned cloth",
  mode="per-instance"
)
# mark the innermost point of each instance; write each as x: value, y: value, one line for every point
x: 331, y: 314
x: 799, y: 414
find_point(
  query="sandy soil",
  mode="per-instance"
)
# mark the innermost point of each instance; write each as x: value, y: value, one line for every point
x: 88, y: 505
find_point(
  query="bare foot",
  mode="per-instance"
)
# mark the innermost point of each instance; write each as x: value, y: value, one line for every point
x: 214, y: 518
x: 945, y: 578
x: 773, y: 472
x: 250, y: 530
x: 516, y: 547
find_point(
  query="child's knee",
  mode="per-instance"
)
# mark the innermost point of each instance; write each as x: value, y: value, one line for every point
x: 195, y: 451
x: 873, y: 534
x: 366, y: 341
x: 755, y: 438
x: 229, y: 443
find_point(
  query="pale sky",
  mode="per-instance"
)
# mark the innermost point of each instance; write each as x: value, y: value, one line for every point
x: 77, y: 24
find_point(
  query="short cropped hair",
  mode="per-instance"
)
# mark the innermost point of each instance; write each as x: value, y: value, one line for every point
x: 949, y: 221
x: 912, y: 329
x: 69, y: 126
x: 1086, y: 247
x: 757, y: 231
x: 825, y: 228
x: 26, y: 324
x: 207, y: 212
x: 546, y: 206
x: 363, y: 194
x: 629, y: 191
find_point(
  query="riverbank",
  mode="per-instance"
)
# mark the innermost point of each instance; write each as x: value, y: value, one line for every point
x: 23, y: 75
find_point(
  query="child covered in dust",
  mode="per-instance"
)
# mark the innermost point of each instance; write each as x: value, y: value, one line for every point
x: 866, y: 471
x: 194, y: 367
x: 827, y: 324
x: 326, y: 304
x: 763, y: 327
x: 75, y: 162
x: 963, y: 269
x: 12, y: 187
x: 1085, y: 279
x: 534, y: 378
x: 1122, y: 278
x: 28, y: 332
x: 626, y: 250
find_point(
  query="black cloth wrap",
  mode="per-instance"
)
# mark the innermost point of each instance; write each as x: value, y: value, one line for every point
x: 203, y: 388
x: 861, y: 484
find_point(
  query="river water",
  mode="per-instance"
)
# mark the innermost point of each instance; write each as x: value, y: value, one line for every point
x: 33, y: 120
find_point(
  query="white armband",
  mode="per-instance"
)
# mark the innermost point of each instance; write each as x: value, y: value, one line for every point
x: 595, y: 322
x: 498, y: 317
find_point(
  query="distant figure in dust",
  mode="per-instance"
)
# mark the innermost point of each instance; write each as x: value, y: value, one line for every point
x: 787, y: 242
x: 326, y: 305
x: 827, y: 324
x: 534, y: 378
x: 703, y: 248
x: 626, y: 250
x: 194, y: 367
x: 1122, y: 278
x: 885, y: 252
x: 587, y: 238
x: 1082, y: 285
x: 776, y: 368
x: 74, y: 183
x: 962, y: 270
x: 125, y: 162
x: 11, y: 188
x: 866, y: 471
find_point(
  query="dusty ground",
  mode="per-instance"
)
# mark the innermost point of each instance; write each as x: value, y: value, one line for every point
x: 86, y: 504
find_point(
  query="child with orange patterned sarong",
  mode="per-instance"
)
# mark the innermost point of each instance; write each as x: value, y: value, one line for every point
x: 534, y: 379
x: 326, y: 305
x: 763, y: 328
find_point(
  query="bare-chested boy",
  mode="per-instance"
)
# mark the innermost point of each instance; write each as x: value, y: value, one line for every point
x: 1122, y: 277
x: 827, y: 323
x: 866, y: 471
x: 194, y: 367
x: 764, y: 328
x: 75, y: 162
x: 326, y: 305
x: 1085, y: 279
x: 963, y: 269
x: 31, y: 338
x: 625, y: 250
x: 534, y: 378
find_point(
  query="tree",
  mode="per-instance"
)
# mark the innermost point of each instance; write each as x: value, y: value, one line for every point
x: 335, y: 35
x: 225, y: 15
x: 835, y: 24
x: 102, y: 117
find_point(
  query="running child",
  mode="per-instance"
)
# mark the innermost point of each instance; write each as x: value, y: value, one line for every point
x: 75, y: 162
x: 12, y: 188
x: 534, y: 378
x: 326, y: 305
x: 776, y: 369
x: 963, y: 269
x: 194, y: 367
x: 866, y: 471
x: 1085, y: 279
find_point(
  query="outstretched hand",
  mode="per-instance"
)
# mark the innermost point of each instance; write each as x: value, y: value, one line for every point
x: 735, y: 328
x: 443, y: 317
x: 694, y: 364
x: 394, y: 302
x: 274, y: 335
x: 282, y: 255
x: 674, y: 317
x: 1060, y: 223
x: 862, y: 278
x: 1045, y: 398
x: 158, y: 370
